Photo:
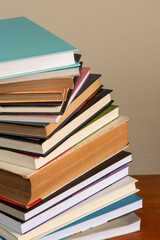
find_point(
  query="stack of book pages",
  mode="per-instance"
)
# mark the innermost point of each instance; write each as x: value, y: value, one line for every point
x: 64, y: 168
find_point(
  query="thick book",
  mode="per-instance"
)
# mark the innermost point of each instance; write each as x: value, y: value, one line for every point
x: 26, y: 186
x: 77, y: 218
x: 66, y: 133
x: 28, y: 48
x: 25, y: 226
x: 103, y: 118
x: 126, y: 224
x: 108, y: 166
x: 44, y: 130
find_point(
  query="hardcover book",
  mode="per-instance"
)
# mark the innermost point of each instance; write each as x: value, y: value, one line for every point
x: 28, y: 48
x: 48, y: 85
x: 43, y: 96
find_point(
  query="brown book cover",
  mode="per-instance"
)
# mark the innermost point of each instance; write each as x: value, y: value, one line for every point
x: 39, y: 96
x: 25, y: 186
x: 38, y: 85
x: 42, y: 91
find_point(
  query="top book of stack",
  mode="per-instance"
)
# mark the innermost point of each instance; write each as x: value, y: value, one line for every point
x: 27, y: 48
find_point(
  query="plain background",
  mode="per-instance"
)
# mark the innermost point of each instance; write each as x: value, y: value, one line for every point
x: 119, y: 39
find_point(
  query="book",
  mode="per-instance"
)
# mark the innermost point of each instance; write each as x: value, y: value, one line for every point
x: 28, y: 48
x: 78, y: 217
x: 57, y: 96
x: 26, y: 186
x: 33, y: 108
x: 126, y: 224
x: 103, y: 118
x: 50, y: 84
x: 67, y: 203
x: 51, y: 90
x: 65, y: 134
x: 108, y: 166
x: 91, y: 86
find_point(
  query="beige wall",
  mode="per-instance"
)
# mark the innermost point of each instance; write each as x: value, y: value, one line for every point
x: 121, y: 40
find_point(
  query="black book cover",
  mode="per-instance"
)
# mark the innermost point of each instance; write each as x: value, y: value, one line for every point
x: 77, y: 57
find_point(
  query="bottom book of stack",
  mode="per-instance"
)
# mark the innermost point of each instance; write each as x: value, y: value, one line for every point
x: 126, y: 224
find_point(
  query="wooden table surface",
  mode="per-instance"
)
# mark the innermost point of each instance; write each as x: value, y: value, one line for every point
x: 149, y: 186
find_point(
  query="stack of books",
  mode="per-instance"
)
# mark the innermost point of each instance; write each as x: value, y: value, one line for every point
x: 63, y: 160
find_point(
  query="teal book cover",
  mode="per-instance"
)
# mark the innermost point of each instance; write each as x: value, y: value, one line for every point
x: 21, y: 38
x: 27, y: 48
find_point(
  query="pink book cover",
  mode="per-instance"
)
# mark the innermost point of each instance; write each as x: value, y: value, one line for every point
x: 84, y: 73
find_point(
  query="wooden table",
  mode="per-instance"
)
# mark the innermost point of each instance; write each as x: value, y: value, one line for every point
x: 149, y: 186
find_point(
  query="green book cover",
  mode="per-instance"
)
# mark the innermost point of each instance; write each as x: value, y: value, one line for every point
x: 97, y: 117
x: 101, y: 114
